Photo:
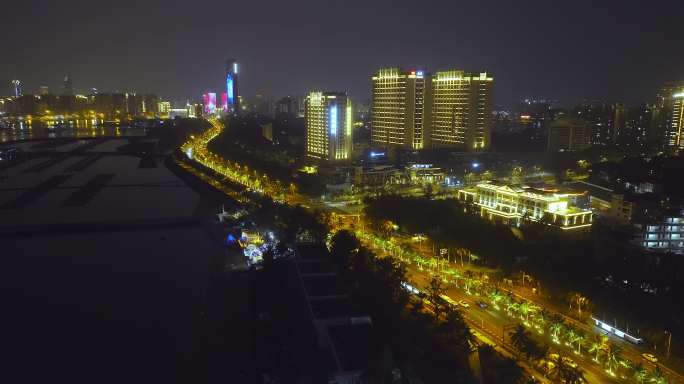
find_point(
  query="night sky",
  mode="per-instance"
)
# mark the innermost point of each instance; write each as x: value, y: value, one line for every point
x: 612, y: 50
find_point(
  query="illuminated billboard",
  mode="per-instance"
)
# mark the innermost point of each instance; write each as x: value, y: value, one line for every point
x: 209, y: 103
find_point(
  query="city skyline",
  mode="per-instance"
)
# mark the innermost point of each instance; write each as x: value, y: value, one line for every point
x: 533, y: 50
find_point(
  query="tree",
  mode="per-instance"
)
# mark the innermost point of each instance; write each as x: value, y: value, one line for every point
x: 454, y: 331
x: 559, y: 370
x: 570, y: 335
x: 657, y: 376
x: 499, y: 369
x: 574, y: 375
x: 343, y: 244
x: 520, y: 339
x: 580, y: 339
x: 525, y: 308
x: 597, y: 345
x: 434, y: 294
x: 613, y: 358
x: 639, y: 373
x: 556, y: 331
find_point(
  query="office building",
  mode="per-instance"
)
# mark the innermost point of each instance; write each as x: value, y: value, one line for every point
x: 512, y: 205
x: 15, y: 86
x: 460, y: 110
x: 569, y: 134
x: 43, y: 90
x: 233, y: 98
x: 398, y: 108
x: 328, y: 126
x: 67, y: 86
x: 676, y: 131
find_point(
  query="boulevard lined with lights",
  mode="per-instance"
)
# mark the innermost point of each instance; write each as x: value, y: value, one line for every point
x: 534, y: 317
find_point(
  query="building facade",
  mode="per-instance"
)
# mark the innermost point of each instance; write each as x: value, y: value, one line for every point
x: 460, y: 110
x: 232, y: 96
x: 398, y: 108
x: 569, y: 134
x: 666, y: 235
x: 328, y: 126
x: 676, y: 131
x: 515, y: 204
x: 15, y: 88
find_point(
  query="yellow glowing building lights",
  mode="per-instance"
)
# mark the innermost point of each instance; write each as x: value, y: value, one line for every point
x: 677, y: 129
x: 328, y: 126
x: 515, y: 204
x: 461, y: 109
x: 398, y: 108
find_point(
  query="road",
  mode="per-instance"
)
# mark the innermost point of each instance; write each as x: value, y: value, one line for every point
x: 488, y: 321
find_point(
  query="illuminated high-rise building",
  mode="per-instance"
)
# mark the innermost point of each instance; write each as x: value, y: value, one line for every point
x: 328, y: 126
x: 15, y: 86
x: 460, y: 110
x: 164, y: 108
x: 232, y: 86
x: 209, y: 102
x: 398, y: 108
x: 224, y: 101
x: 676, y: 131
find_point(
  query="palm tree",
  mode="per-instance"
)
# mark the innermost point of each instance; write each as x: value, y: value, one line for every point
x: 525, y: 308
x: 520, y: 339
x: 511, y: 307
x: 657, y: 376
x: 542, y: 318
x: 581, y: 338
x: 559, y: 369
x: 613, y: 357
x: 573, y: 375
x: 570, y: 335
x: 597, y: 346
x: 495, y: 297
x: 639, y: 373
x: 556, y: 330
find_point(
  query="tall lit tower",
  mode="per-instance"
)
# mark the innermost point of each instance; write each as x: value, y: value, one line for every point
x: 676, y: 132
x: 398, y: 113
x: 461, y: 110
x: 328, y: 126
x: 232, y: 86
x: 16, y: 88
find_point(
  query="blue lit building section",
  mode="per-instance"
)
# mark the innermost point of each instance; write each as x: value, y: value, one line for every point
x: 230, y: 89
x: 333, y: 120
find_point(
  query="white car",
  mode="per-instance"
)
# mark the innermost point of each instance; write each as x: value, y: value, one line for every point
x: 649, y: 357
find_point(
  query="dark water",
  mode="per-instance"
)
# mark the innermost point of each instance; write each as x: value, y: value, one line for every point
x: 35, y: 129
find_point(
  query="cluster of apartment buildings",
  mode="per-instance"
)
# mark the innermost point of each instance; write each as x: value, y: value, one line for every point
x: 410, y: 110
x: 656, y: 126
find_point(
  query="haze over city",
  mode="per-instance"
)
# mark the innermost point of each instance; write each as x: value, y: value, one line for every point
x: 614, y: 50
